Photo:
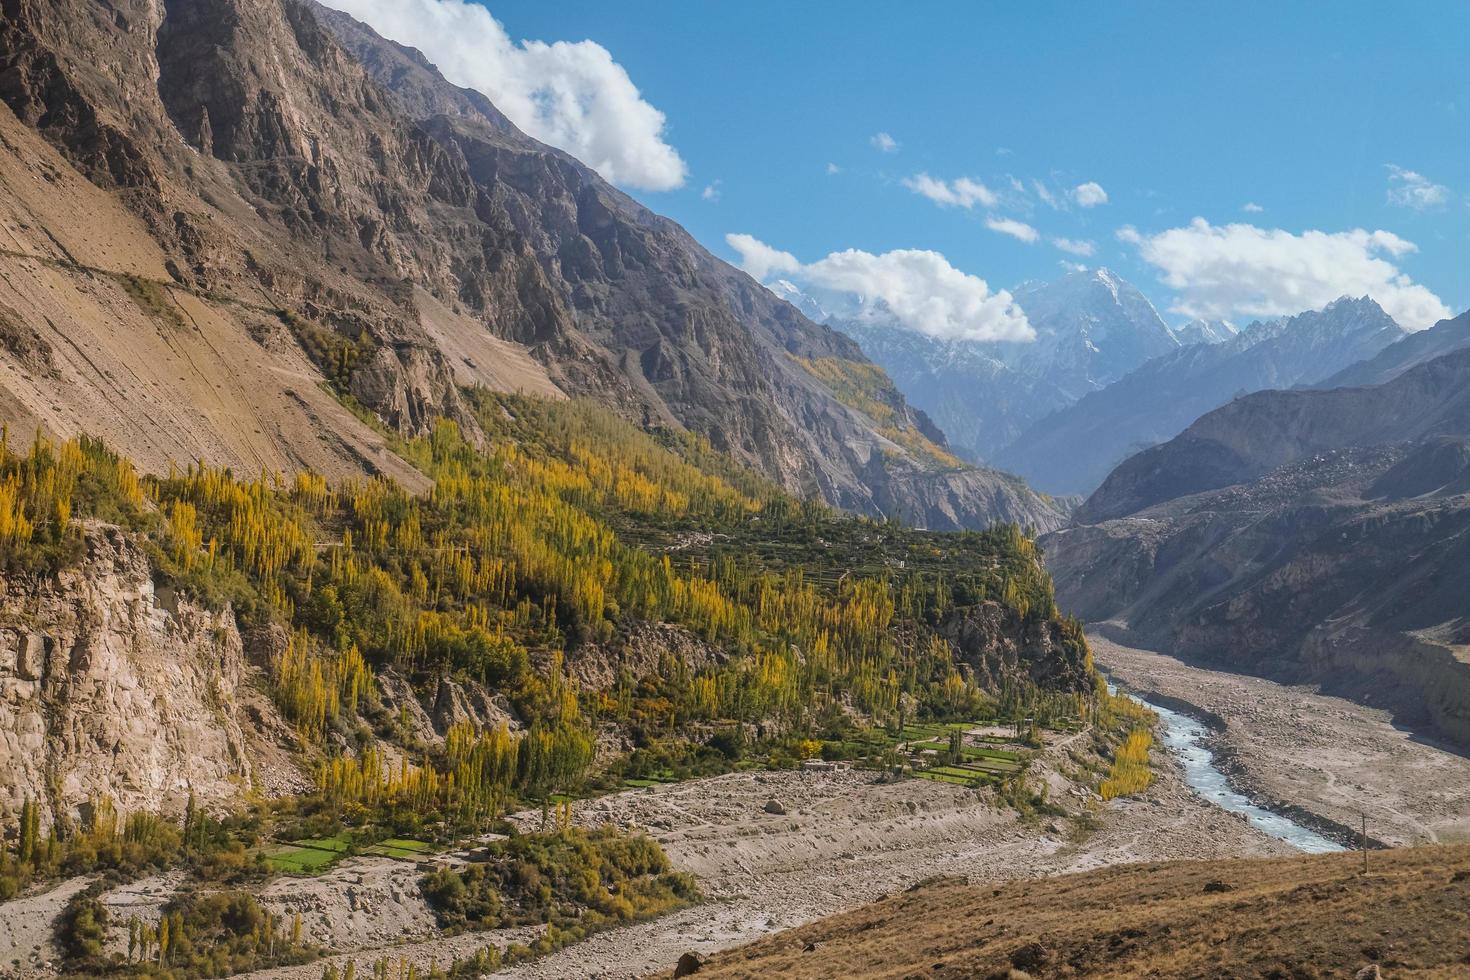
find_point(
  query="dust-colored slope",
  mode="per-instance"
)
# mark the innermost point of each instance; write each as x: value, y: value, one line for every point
x: 1284, y: 917
x: 99, y: 344
x: 478, y: 357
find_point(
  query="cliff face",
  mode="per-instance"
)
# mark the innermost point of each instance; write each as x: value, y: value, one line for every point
x: 997, y: 646
x: 243, y: 160
x: 1265, y: 540
x: 112, y: 689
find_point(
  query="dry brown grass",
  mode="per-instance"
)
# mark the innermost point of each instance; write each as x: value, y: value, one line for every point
x: 1297, y: 917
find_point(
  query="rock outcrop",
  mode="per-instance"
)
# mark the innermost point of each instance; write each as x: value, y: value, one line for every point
x: 997, y: 646
x: 110, y: 688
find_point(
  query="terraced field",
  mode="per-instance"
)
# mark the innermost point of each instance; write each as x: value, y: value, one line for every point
x: 314, y: 855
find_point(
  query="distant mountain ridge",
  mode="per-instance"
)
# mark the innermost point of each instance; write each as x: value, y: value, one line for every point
x: 1092, y: 327
x: 1316, y: 536
x: 1204, y: 332
x: 1071, y: 451
x: 1444, y: 337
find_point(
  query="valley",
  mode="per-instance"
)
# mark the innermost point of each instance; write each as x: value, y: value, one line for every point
x: 424, y: 558
x: 843, y: 839
x: 1328, y: 756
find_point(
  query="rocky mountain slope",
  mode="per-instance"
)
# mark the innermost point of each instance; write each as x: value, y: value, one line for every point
x: 1072, y: 450
x: 113, y: 688
x: 1204, y: 332
x: 980, y: 402
x: 211, y: 211
x: 1313, y: 536
x: 1092, y: 328
x: 1444, y: 337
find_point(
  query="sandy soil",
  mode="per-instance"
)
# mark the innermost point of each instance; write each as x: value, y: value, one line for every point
x: 843, y: 840
x: 1329, y: 756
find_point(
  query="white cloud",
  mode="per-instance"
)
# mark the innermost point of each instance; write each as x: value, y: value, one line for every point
x: 1072, y: 266
x: 1047, y: 197
x: 832, y: 168
x: 711, y: 190
x: 1251, y: 207
x: 1242, y: 270
x: 918, y: 288
x: 961, y: 193
x: 1089, y: 195
x: 571, y: 94
x: 761, y: 260
x: 1408, y: 189
x: 1016, y: 229
x: 884, y: 143
x: 1075, y: 246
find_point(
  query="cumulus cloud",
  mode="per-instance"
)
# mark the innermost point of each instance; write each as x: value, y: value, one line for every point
x: 1016, y: 229
x: 1075, y: 246
x: 960, y: 193
x: 761, y: 260
x: 711, y: 190
x: 1089, y: 195
x: 917, y: 288
x: 884, y: 143
x: 1251, y: 207
x: 1242, y: 270
x: 571, y: 94
x: 832, y: 168
x: 1408, y: 189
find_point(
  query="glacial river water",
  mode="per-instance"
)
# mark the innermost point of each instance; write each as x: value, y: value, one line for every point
x: 1185, y: 738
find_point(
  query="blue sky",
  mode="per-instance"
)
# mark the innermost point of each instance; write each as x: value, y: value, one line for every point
x: 1177, y: 110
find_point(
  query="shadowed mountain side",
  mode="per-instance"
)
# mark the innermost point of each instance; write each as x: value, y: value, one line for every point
x: 1073, y: 450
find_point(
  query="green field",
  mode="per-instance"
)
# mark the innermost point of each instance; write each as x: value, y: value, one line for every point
x: 659, y: 778
x: 297, y: 859
x: 971, y: 751
x: 406, y: 850
x: 315, y: 855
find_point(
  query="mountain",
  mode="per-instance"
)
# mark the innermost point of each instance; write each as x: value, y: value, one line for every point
x: 979, y: 402
x: 1204, y: 332
x: 1091, y: 327
x: 291, y: 222
x: 1425, y: 345
x: 1318, y: 536
x: 1072, y: 450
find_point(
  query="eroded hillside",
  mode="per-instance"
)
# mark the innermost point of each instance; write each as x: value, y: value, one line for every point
x: 213, y: 211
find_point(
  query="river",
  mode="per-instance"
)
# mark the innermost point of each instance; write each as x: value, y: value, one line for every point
x: 1185, y: 737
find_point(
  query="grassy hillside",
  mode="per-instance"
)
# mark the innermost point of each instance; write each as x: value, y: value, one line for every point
x: 1287, y: 917
x: 557, y: 541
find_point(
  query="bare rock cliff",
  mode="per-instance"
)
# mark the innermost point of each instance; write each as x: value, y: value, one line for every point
x: 110, y: 688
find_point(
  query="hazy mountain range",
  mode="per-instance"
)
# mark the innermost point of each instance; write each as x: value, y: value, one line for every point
x: 1318, y: 536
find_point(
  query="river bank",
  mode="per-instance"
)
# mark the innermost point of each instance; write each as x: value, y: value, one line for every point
x: 1322, y: 759
x: 845, y: 839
